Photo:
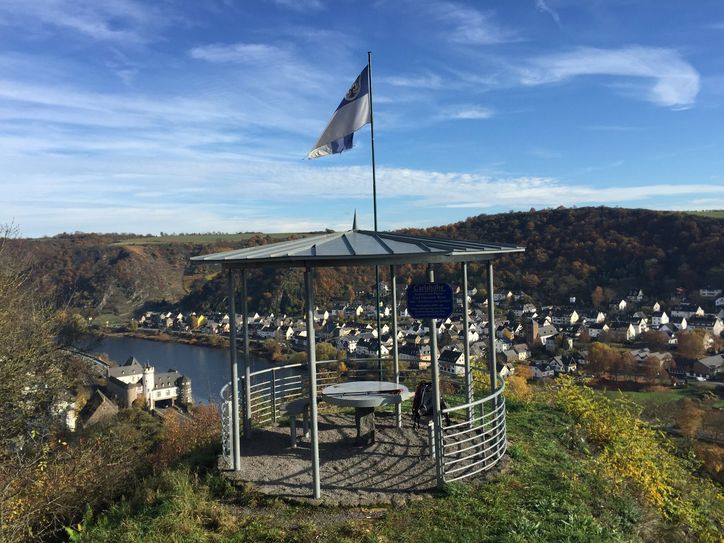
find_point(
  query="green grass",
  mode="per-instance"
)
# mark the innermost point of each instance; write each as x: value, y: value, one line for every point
x: 547, y: 491
x: 204, y: 238
x: 713, y: 213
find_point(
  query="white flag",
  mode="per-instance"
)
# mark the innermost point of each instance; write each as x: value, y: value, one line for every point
x: 351, y: 115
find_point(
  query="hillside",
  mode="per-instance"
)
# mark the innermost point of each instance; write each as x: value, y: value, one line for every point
x: 569, y: 253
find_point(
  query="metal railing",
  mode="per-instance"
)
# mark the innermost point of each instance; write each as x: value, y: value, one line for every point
x: 473, y: 442
x: 473, y: 445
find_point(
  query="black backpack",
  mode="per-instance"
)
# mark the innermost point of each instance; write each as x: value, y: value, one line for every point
x: 422, y: 404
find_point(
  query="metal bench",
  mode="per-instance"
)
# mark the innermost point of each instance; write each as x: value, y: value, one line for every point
x: 300, y: 406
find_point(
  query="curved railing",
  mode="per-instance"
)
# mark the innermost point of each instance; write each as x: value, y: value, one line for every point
x: 477, y: 442
x: 473, y: 442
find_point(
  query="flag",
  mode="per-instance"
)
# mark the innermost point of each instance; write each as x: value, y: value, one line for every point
x: 352, y: 114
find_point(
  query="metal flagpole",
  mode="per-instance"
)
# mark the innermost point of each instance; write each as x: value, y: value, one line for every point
x: 374, y: 207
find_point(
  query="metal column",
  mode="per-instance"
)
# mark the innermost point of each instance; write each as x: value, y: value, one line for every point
x: 435, y: 371
x: 312, y: 363
x: 235, y: 439
x: 491, y: 326
x: 247, y: 360
x: 395, y: 354
x: 466, y: 343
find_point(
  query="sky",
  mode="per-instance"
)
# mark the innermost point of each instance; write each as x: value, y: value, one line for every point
x: 177, y: 116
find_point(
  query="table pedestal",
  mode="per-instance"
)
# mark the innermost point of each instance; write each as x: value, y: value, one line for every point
x: 364, y: 420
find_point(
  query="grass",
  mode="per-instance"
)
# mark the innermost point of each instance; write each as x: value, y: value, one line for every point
x: 713, y: 213
x: 204, y: 238
x: 549, y: 490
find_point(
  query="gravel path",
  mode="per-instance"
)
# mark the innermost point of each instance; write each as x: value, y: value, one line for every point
x: 395, y: 469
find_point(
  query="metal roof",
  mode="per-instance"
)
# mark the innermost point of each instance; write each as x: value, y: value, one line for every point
x: 358, y: 247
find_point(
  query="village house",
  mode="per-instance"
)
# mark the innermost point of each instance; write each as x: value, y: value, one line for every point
x: 451, y: 362
x: 658, y: 318
x: 635, y: 295
x: 710, y: 323
x: 709, y: 292
x: 687, y: 310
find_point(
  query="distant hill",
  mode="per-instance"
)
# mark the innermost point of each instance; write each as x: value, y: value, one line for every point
x: 569, y: 253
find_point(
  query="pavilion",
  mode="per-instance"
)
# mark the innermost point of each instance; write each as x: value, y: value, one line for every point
x: 351, y: 248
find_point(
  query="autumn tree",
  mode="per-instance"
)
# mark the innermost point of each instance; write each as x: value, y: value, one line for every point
x: 517, y: 384
x: 691, y: 344
x: 597, y: 297
x: 601, y: 358
x: 690, y: 418
x: 655, y: 340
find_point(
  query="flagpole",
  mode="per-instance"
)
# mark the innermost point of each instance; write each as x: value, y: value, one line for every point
x: 374, y: 207
x: 372, y: 137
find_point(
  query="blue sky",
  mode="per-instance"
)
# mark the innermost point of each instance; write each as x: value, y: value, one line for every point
x: 181, y: 116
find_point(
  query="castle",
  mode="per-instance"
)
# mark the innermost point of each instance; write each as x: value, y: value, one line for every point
x: 131, y: 381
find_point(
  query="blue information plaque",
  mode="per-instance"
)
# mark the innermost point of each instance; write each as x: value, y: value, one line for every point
x: 430, y: 300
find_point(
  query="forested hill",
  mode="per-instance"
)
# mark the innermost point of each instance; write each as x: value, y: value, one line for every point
x: 569, y: 253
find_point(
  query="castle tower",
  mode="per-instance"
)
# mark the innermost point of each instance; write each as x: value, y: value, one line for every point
x: 148, y: 384
x: 530, y: 329
x: 184, y: 397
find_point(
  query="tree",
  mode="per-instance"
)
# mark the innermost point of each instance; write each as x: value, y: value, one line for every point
x: 655, y: 340
x: 601, y: 358
x: 690, y: 344
x: 273, y: 349
x: 690, y: 418
x: 597, y: 297
x: 325, y: 351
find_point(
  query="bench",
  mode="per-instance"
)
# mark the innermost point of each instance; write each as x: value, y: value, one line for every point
x: 300, y: 406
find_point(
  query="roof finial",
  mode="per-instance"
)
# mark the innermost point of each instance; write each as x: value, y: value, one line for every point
x: 354, y: 221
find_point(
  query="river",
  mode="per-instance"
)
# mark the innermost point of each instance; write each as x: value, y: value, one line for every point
x: 208, y: 367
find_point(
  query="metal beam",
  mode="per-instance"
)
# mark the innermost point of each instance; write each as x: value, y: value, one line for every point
x: 312, y: 364
x: 247, y: 359
x: 435, y: 371
x: 235, y: 438
x: 492, y: 358
x: 395, y: 353
x: 466, y: 343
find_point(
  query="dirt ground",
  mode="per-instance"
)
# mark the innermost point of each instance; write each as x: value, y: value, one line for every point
x: 395, y: 469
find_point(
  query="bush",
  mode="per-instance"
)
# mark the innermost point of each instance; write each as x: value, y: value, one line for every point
x: 631, y: 453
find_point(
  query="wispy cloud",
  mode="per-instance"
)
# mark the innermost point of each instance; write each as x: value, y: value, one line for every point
x: 240, y: 52
x: 543, y: 7
x: 675, y: 81
x: 465, y: 112
x: 423, y: 81
x: 300, y: 5
x: 468, y: 25
x: 120, y: 21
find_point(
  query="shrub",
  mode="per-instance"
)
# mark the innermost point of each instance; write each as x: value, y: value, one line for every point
x: 631, y: 453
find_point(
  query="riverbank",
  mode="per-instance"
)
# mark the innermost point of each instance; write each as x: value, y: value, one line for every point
x: 186, y: 338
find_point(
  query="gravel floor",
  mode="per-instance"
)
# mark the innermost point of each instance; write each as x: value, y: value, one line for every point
x: 393, y: 470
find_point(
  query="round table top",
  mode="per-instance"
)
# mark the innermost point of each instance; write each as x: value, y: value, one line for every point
x: 365, y: 393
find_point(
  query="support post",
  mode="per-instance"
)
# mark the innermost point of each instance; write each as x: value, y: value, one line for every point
x: 491, y: 327
x: 235, y: 438
x: 274, y: 394
x: 379, y: 326
x: 247, y: 360
x: 466, y: 344
x: 395, y: 353
x: 312, y: 363
x: 435, y: 371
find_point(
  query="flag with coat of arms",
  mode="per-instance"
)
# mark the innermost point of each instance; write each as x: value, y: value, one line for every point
x: 353, y: 113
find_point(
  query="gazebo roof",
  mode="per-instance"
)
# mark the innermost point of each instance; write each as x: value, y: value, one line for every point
x: 358, y: 247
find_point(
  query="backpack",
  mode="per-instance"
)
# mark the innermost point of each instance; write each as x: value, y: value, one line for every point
x: 422, y: 404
